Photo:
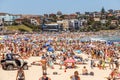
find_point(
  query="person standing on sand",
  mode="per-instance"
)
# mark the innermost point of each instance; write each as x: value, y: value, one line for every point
x: 92, y: 63
x: 44, y: 65
x: 111, y: 62
x: 20, y: 74
x: 113, y: 74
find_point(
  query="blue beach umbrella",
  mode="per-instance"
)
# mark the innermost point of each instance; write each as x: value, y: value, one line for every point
x: 78, y: 51
x: 109, y: 42
x: 49, y: 40
x: 26, y: 39
x: 47, y: 44
x: 50, y: 49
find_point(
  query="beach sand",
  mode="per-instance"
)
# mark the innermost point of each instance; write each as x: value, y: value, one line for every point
x: 35, y: 72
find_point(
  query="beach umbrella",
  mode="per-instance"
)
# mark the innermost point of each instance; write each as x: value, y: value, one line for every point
x: 91, y: 45
x: 84, y: 56
x: 69, y: 61
x: 26, y: 39
x: 49, y: 40
x: 1, y: 38
x: 78, y: 51
x: 50, y: 49
x: 117, y: 45
x: 46, y: 44
x: 109, y: 42
x: 84, y: 39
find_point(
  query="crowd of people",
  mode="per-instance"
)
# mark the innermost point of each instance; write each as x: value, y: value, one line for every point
x: 55, y: 48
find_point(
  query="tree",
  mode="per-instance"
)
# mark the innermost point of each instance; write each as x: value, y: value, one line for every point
x: 62, y: 16
x: 59, y: 13
x: 110, y: 10
x: 102, y: 11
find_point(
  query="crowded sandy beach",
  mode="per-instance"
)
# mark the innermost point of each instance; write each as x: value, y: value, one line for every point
x: 61, y: 56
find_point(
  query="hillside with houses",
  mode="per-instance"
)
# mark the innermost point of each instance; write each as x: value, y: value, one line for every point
x: 89, y: 21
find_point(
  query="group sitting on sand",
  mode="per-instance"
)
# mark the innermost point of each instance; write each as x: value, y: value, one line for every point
x: 54, y: 47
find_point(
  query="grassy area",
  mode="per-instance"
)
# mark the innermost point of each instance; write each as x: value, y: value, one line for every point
x: 19, y: 28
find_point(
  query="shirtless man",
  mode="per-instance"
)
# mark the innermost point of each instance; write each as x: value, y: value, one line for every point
x: 44, y: 65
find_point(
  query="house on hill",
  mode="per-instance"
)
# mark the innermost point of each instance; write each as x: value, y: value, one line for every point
x: 8, y: 19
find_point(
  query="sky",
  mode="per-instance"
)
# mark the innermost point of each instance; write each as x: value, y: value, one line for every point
x: 52, y: 6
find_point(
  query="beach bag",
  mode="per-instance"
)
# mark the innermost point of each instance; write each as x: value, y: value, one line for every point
x: 55, y: 73
x: 92, y: 73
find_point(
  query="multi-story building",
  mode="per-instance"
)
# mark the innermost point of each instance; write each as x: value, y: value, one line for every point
x: 16, y: 16
x: 70, y: 24
x: 75, y: 24
x: 1, y: 22
x: 1, y: 25
x: 19, y: 20
x: 114, y: 22
x: 8, y: 19
x: 117, y: 13
x: 96, y: 14
x: 97, y: 19
x: 34, y: 19
x: 73, y: 16
x: 51, y: 27
x: 65, y: 24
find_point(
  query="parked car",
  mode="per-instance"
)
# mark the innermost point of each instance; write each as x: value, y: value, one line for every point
x: 13, y: 61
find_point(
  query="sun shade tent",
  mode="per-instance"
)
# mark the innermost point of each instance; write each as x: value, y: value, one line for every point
x: 69, y: 61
